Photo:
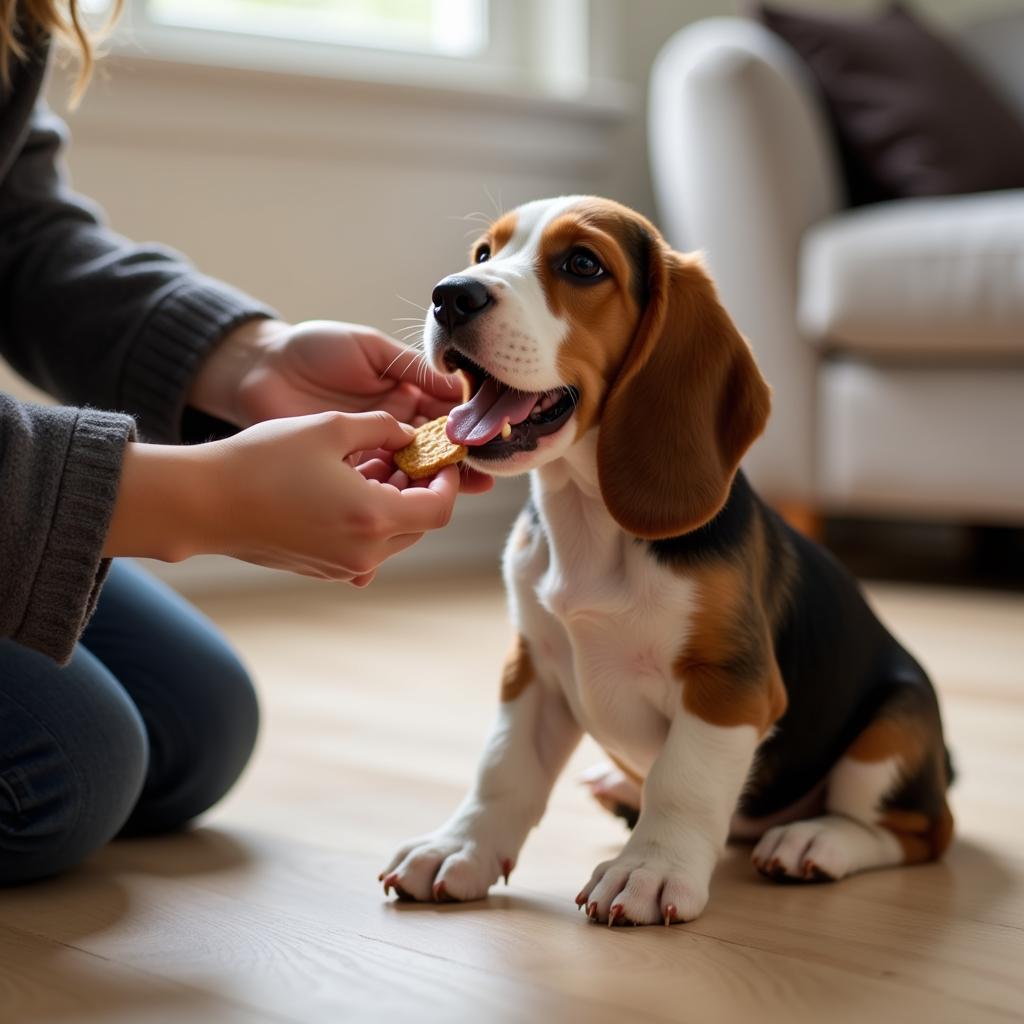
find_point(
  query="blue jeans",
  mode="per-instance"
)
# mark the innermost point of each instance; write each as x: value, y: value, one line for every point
x: 150, y: 723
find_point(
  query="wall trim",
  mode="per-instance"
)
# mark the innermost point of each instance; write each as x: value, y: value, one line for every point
x: 140, y: 102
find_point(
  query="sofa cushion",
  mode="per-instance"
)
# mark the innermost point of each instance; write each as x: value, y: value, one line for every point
x: 921, y: 442
x: 912, y: 115
x: 918, y: 277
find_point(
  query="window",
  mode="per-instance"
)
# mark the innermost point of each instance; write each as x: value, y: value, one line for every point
x: 453, y: 27
x: 488, y: 45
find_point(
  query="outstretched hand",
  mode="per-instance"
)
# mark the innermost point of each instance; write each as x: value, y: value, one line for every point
x: 267, y: 369
x: 285, y: 494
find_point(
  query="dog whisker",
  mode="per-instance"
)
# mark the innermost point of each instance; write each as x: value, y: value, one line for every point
x: 416, y: 305
x: 475, y: 215
x: 496, y: 203
x: 413, y: 355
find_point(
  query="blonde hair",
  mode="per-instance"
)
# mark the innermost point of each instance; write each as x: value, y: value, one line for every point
x: 25, y: 23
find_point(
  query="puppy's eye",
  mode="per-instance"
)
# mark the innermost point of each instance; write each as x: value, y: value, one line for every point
x: 483, y: 254
x: 583, y: 263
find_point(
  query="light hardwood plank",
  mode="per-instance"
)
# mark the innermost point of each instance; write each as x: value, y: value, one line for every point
x: 376, y: 705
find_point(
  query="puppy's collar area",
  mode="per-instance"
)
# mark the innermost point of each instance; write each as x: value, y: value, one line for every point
x: 499, y: 420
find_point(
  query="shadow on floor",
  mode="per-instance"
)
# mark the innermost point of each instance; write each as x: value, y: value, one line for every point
x: 63, y: 940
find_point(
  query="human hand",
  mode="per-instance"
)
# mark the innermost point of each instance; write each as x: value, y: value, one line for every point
x: 266, y: 369
x: 284, y: 494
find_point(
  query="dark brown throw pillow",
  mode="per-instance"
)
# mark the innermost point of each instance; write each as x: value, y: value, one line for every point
x: 912, y: 117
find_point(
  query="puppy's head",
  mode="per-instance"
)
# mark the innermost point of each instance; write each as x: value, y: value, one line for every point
x: 574, y: 314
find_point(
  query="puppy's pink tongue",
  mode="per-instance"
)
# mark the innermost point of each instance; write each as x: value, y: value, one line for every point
x: 481, y: 418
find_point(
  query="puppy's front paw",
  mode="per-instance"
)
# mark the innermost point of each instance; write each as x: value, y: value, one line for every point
x: 444, y: 866
x: 644, y: 887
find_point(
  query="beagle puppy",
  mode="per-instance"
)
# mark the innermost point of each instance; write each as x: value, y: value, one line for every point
x: 730, y: 668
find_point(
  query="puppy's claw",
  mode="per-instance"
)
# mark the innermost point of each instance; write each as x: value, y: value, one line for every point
x: 592, y: 911
x: 670, y: 914
x: 614, y: 914
x: 581, y: 899
x: 506, y: 869
x: 440, y: 892
x: 391, y: 881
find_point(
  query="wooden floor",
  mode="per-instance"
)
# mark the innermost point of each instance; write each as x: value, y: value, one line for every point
x: 373, y: 719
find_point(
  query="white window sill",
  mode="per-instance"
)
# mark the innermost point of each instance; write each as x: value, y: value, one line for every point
x: 364, y: 72
x: 187, y: 103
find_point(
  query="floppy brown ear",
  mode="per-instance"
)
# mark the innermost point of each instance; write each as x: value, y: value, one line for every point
x: 687, y: 403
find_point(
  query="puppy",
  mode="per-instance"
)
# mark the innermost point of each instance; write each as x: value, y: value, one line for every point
x: 730, y: 668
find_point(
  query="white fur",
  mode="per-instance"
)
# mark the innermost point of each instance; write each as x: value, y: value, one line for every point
x: 856, y: 788
x: 834, y: 844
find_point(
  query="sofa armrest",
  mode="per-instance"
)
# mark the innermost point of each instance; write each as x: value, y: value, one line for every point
x: 743, y: 162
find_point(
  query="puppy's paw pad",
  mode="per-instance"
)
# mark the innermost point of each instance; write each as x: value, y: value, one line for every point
x: 804, y: 851
x: 444, y: 869
x: 612, y: 788
x: 644, y: 891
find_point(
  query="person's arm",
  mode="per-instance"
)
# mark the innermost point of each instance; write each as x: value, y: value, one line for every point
x: 283, y: 494
x: 77, y: 490
x: 59, y: 473
x: 90, y: 317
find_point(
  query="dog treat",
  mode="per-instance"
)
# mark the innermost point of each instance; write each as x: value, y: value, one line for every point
x: 429, y: 451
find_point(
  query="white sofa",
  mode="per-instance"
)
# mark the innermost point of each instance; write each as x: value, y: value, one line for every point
x: 893, y: 334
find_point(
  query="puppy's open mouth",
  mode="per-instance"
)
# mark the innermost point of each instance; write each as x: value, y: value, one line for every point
x: 498, y: 420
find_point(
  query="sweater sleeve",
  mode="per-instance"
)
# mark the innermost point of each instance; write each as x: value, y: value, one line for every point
x: 90, y: 317
x: 59, y: 471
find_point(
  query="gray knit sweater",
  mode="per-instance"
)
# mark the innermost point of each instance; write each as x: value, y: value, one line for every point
x: 113, y: 330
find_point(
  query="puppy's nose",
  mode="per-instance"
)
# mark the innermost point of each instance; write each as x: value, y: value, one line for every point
x: 458, y: 299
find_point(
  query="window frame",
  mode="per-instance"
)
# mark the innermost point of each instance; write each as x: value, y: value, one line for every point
x: 521, y: 51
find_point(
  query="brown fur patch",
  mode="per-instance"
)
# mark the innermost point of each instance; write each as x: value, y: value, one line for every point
x: 941, y: 833
x: 602, y: 315
x: 922, y: 838
x: 888, y: 737
x: 518, y: 672
x: 686, y: 404
x: 499, y: 234
x: 728, y: 668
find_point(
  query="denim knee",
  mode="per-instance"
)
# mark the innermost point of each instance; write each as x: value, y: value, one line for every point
x: 202, y: 731
x: 73, y: 758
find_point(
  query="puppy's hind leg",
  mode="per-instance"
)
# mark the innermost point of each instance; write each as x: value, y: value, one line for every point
x: 886, y: 800
x: 615, y: 790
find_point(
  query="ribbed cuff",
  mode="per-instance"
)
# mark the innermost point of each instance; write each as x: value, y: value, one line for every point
x: 175, y: 338
x: 72, y: 568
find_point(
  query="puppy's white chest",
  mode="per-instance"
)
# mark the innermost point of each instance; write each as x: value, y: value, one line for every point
x: 610, y: 624
x: 625, y: 635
